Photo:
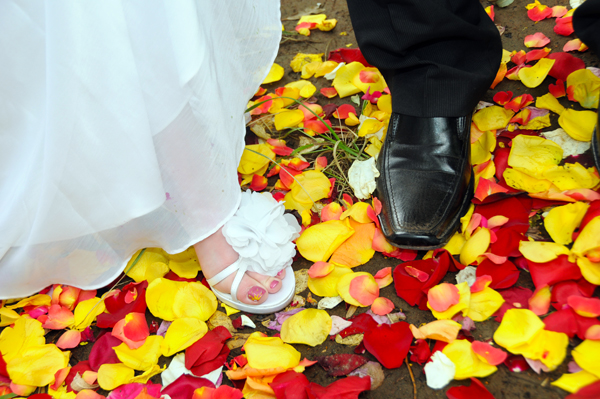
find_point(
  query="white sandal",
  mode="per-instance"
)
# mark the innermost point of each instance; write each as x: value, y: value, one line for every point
x: 262, y: 234
x: 275, y: 302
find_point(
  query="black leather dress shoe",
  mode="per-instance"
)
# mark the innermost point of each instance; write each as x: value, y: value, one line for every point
x: 425, y: 184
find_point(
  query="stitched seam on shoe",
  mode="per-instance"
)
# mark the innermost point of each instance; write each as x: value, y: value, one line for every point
x: 444, y: 204
x: 438, y: 213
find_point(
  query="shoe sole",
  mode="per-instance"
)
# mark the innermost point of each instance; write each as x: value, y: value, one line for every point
x: 464, y: 207
x: 275, y: 302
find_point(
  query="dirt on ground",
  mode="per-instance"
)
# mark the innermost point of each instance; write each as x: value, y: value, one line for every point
x: 503, y: 384
x: 398, y: 384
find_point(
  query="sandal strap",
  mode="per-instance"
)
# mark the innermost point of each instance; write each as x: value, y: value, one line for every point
x: 236, y: 267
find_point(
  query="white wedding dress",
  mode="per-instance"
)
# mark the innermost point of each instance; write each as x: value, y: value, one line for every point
x: 121, y: 127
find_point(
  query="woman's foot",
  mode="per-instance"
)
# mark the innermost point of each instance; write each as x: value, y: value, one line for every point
x: 215, y: 254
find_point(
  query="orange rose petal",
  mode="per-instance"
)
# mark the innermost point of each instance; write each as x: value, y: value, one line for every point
x: 586, y: 307
x: 440, y: 330
x: 493, y: 356
x: 331, y: 211
x: 593, y: 332
x: 536, y: 40
x: 59, y: 318
x: 358, y: 249
x: 320, y: 269
x: 329, y: 92
x: 60, y: 377
x: 416, y: 273
x: 68, y: 297
x: 481, y: 283
x: 382, y: 306
x: 499, y: 75
x: 258, y: 183
x: 320, y: 163
x: 538, y: 12
x: 442, y: 297
x: 539, y: 303
x: 380, y: 244
x: 384, y: 277
x: 364, y: 289
x: 70, y: 339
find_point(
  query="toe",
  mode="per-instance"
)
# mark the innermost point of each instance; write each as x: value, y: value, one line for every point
x: 250, y: 291
x: 273, y: 284
x: 281, y: 274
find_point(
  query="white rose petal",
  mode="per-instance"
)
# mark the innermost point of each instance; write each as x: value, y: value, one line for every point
x: 361, y: 177
x: 247, y: 322
x: 338, y: 324
x: 569, y: 145
x: 467, y: 274
x: 440, y: 371
x: 331, y: 75
x: 576, y: 3
x: 329, y: 303
x: 177, y: 368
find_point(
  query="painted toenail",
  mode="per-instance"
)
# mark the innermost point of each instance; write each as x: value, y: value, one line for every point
x: 274, y: 284
x: 279, y: 274
x: 255, y: 293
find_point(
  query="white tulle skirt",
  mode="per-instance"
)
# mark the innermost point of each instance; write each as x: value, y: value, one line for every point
x: 121, y: 127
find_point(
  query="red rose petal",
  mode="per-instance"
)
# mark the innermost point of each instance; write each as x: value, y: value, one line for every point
x: 591, y: 391
x: 555, y: 271
x: 420, y: 352
x: 290, y: 385
x: 347, y: 388
x: 564, y: 65
x: 347, y: 55
x: 515, y: 297
x: 475, y: 390
x: 341, y: 364
x: 503, y: 276
x: 184, y: 387
x: 389, y: 343
x: 103, y: 353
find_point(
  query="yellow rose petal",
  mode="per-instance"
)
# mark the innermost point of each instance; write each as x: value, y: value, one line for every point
x: 575, y: 381
x: 484, y: 304
x: 475, y: 246
x: 518, y: 327
x: 318, y: 242
x: 327, y: 286
x: 586, y: 355
x: 578, y: 124
x: 275, y: 74
x: 181, y: 334
x: 36, y: 365
x: 142, y: 358
x: 111, y: 376
x: 492, y: 118
x: 535, y: 75
x: 270, y: 352
x: 310, y: 327
x: 562, y: 221
x: 542, y: 252
x: 468, y: 364
x: 343, y: 81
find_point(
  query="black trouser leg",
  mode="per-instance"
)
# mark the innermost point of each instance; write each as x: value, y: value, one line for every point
x: 438, y: 56
x: 586, y: 22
